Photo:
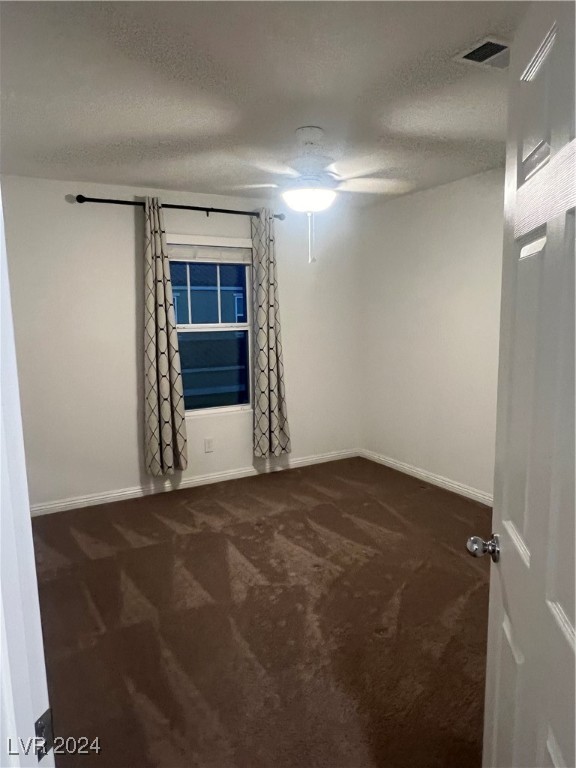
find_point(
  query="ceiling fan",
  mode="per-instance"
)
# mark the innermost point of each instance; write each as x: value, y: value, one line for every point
x: 312, y: 168
x: 311, y: 180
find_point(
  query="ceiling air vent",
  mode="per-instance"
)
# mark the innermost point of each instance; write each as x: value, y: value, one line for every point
x: 487, y: 53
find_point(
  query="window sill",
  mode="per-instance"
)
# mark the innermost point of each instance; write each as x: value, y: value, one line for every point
x: 200, y: 412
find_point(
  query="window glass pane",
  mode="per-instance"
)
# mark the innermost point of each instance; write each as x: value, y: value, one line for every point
x: 215, y: 368
x: 233, y: 293
x: 204, y: 293
x: 179, y: 291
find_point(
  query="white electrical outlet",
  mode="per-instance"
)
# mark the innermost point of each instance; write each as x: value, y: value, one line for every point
x: 208, y: 445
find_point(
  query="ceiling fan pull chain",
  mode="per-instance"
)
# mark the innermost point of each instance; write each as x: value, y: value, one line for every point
x: 313, y: 238
x: 311, y: 257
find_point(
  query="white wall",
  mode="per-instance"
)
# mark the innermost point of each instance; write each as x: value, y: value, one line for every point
x: 76, y: 282
x: 430, y: 289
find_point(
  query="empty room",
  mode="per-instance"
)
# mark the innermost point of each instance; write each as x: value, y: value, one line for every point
x: 287, y: 384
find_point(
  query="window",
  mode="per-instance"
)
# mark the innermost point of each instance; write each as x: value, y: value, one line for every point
x: 210, y: 286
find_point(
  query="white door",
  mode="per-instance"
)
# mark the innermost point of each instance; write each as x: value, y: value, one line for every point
x: 23, y: 691
x: 529, y: 715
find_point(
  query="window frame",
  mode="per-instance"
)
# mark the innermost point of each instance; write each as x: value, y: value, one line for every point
x: 220, y: 242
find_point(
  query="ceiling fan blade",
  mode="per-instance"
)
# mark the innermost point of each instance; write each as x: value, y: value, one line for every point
x: 374, y: 186
x: 264, y: 160
x: 311, y: 164
x: 254, y: 186
x: 364, y: 165
x: 275, y: 167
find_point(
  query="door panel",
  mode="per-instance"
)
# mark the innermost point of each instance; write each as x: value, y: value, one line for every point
x: 24, y: 694
x: 530, y: 711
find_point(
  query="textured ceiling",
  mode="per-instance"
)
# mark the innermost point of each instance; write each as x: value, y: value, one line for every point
x: 206, y: 96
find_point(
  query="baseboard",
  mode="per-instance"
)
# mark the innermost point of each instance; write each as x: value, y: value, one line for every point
x: 429, y: 477
x: 318, y: 458
x: 75, y: 502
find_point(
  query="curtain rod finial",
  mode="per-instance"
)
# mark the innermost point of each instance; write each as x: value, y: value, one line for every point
x: 80, y: 199
x: 280, y: 216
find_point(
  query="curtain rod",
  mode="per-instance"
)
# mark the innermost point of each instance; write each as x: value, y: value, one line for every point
x: 208, y: 211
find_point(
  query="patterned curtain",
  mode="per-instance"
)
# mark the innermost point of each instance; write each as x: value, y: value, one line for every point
x: 271, y: 432
x: 164, y: 415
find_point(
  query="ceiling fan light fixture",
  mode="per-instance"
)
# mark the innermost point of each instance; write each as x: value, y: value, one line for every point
x: 309, y: 199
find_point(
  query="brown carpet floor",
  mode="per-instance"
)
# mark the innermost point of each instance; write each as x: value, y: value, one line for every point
x: 327, y: 617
